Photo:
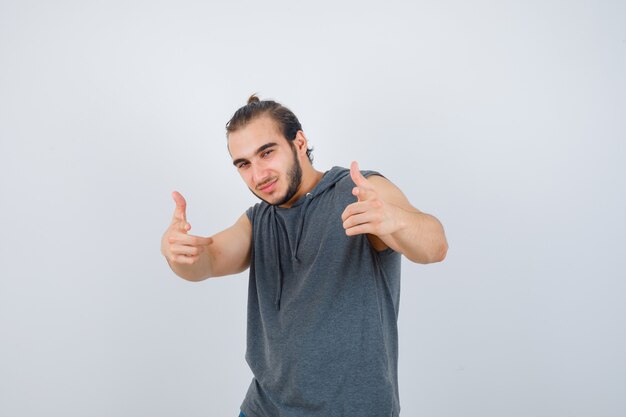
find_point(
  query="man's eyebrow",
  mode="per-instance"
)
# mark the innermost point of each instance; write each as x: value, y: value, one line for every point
x: 258, y: 151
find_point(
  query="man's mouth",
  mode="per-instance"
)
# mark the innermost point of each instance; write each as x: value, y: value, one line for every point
x: 267, y: 186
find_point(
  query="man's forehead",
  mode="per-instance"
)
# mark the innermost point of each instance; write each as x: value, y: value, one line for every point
x: 245, y: 142
x: 246, y: 149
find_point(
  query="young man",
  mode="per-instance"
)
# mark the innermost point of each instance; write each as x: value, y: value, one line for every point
x: 324, y: 256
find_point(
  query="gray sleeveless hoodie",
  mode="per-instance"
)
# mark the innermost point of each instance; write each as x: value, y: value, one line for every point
x: 322, y: 311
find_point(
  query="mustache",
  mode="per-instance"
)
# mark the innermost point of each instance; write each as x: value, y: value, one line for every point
x: 264, y: 183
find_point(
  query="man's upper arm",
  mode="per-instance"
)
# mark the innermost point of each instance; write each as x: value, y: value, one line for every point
x: 389, y: 192
x: 231, y: 248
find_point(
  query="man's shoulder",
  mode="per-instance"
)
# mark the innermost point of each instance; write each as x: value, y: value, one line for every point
x: 345, y: 180
x: 257, y: 209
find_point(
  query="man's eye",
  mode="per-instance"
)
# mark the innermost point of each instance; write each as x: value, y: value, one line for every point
x: 266, y: 153
x: 242, y: 165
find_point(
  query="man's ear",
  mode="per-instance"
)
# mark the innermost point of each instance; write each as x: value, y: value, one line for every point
x: 301, y: 143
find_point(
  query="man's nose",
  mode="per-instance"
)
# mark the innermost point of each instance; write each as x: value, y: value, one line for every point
x: 259, y: 173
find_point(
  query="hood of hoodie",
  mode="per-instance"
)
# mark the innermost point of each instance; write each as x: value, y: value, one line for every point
x: 329, y: 178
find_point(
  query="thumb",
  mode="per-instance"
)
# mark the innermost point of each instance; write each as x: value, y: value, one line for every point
x: 357, y: 177
x: 180, y: 213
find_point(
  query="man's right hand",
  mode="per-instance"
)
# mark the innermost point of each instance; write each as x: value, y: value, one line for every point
x: 178, y: 247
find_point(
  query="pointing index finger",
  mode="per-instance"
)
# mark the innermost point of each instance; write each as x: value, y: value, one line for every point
x: 181, y: 206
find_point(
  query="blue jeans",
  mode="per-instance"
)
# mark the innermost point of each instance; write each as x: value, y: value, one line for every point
x: 241, y: 414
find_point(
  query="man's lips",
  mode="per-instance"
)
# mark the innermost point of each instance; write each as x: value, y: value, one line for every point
x: 268, y: 186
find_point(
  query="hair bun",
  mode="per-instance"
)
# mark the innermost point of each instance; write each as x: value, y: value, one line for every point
x: 253, y: 99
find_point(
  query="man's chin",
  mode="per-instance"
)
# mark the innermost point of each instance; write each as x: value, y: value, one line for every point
x: 276, y: 201
x: 271, y: 202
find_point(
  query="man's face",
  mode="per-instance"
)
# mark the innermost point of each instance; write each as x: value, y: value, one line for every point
x: 266, y: 161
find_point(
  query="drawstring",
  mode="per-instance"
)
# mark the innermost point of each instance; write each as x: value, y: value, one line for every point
x: 294, y: 255
x: 294, y: 250
x: 279, y: 288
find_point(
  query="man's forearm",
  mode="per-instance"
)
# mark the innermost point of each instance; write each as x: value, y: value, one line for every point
x: 198, y: 271
x: 420, y: 237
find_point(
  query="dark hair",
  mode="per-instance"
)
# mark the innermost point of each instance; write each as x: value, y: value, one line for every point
x: 287, y: 121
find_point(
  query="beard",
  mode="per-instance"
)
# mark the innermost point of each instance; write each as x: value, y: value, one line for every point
x: 294, y: 177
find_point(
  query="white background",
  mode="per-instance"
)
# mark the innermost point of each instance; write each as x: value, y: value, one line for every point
x: 506, y: 120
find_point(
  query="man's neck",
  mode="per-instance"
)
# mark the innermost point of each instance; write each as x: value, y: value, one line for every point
x: 310, y: 178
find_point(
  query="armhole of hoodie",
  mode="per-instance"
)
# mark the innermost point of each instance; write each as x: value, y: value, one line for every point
x: 250, y: 213
x: 385, y: 252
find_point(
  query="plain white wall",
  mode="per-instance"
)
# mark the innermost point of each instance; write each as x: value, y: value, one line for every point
x: 503, y: 119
